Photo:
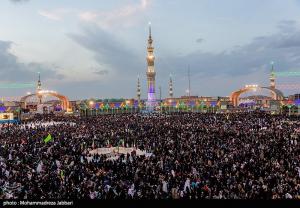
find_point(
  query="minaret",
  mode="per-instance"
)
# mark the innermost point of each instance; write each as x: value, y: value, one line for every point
x: 39, y: 84
x: 272, y: 82
x: 171, y: 87
x: 150, y: 72
x: 39, y: 88
x: 138, y: 91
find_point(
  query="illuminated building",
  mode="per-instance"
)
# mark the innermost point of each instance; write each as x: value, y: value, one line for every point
x: 40, y: 93
x: 151, y: 101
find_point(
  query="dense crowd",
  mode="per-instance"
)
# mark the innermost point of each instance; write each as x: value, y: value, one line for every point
x: 194, y: 156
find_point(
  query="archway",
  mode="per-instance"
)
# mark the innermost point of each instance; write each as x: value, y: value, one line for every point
x: 64, y: 100
x: 234, y: 97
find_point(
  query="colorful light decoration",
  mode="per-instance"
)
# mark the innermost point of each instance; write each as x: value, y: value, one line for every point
x: 213, y: 103
x: 91, y: 104
x: 2, y: 108
x: 251, y: 86
x: 181, y: 104
x: 58, y: 108
x: 141, y: 104
x: 192, y: 103
x: 102, y: 106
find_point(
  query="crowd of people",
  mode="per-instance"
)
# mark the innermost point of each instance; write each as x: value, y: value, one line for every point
x: 194, y: 156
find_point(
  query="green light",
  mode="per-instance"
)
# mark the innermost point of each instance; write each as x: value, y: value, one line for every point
x: 16, y: 85
x: 287, y: 74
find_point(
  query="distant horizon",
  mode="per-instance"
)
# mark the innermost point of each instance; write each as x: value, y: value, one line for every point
x: 145, y: 99
x: 98, y: 48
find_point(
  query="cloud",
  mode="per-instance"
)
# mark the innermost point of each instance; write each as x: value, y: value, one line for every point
x: 199, y: 40
x: 226, y: 70
x: 282, y: 47
x: 108, y: 50
x: 125, y: 16
x: 18, y: 1
x: 287, y: 26
x: 101, y: 72
x: 56, y: 14
x: 11, y: 70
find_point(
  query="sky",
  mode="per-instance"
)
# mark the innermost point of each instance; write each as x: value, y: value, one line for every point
x: 97, y: 48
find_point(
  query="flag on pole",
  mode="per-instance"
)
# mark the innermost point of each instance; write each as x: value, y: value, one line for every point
x: 62, y: 174
x: 48, y: 138
x: 121, y: 142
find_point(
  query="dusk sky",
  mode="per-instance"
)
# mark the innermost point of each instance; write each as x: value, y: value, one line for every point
x: 97, y: 48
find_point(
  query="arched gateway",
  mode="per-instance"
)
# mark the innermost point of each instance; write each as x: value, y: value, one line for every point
x: 64, y: 100
x: 40, y: 93
x: 234, y: 97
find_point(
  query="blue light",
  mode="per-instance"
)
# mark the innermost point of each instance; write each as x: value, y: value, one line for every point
x: 213, y: 103
x: 192, y: 103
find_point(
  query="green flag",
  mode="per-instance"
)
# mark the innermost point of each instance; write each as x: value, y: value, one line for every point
x: 121, y: 142
x: 48, y: 138
x: 62, y: 175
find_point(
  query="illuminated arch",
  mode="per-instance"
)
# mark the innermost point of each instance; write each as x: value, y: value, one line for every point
x: 64, y: 100
x: 234, y: 97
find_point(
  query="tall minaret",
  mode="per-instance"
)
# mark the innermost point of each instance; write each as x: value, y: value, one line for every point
x: 171, y: 87
x: 39, y: 88
x: 138, y: 91
x: 272, y: 82
x: 39, y: 84
x: 150, y: 72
